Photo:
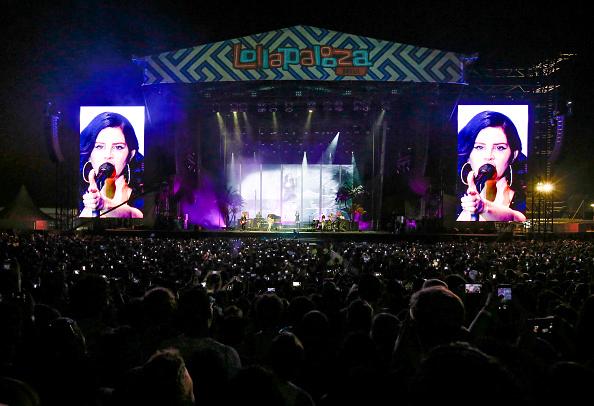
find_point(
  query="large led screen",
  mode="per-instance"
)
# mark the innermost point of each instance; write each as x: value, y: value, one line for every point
x: 289, y: 191
x: 492, y: 162
x: 111, y: 161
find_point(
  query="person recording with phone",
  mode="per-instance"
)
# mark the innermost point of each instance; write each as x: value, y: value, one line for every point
x: 111, y: 166
x: 490, y: 163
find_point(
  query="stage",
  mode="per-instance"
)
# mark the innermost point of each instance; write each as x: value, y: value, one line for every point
x: 310, y: 236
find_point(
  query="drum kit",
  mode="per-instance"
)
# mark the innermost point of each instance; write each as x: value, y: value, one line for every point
x: 338, y: 224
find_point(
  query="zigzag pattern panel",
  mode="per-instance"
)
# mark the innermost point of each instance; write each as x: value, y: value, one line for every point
x: 304, y: 53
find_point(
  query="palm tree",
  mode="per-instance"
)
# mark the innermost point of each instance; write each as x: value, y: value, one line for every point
x: 348, y: 195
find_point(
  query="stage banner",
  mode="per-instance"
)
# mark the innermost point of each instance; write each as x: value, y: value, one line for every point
x: 303, y: 53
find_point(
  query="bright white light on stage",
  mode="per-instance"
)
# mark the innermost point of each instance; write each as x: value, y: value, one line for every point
x: 283, y: 189
x: 545, y: 187
x: 331, y: 150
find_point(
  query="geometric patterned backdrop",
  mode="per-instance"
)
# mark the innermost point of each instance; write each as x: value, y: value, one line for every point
x: 303, y: 53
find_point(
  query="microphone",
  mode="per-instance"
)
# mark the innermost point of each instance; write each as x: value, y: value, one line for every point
x: 485, y: 173
x: 105, y: 174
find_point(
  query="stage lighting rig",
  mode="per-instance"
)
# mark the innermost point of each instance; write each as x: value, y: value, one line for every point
x: 359, y: 105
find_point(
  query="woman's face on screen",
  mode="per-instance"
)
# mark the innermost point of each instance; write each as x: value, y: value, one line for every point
x: 110, y: 146
x: 490, y: 147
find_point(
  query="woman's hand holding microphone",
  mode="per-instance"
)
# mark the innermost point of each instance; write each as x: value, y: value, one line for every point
x: 95, y: 199
x: 473, y: 204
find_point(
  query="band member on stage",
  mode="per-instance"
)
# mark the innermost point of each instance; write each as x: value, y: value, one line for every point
x: 492, y: 138
x: 297, y: 224
x: 270, y: 220
x: 322, y: 222
x: 243, y: 220
x: 110, y: 138
x: 258, y: 221
x: 338, y: 221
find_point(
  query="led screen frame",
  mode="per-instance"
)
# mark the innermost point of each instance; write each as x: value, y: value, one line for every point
x: 503, y: 198
x: 111, y: 135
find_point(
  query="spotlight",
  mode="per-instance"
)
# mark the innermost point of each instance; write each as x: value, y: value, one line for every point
x: 311, y: 106
x: 272, y: 108
x: 233, y: 107
x: 216, y: 108
x: 385, y: 105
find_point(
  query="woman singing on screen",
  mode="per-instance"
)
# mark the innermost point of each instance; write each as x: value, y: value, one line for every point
x: 110, y: 139
x: 491, y: 138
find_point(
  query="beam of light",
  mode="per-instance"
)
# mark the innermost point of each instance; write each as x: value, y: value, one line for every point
x: 232, y: 178
x: 221, y: 122
x: 274, y: 122
x: 223, y: 139
x: 303, y: 177
x: 379, y: 119
x: 307, y: 126
x: 236, y: 128
x: 248, y: 127
x: 330, y: 152
x: 356, y: 177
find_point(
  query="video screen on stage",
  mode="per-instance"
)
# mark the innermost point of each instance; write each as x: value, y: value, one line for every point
x: 111, y: 164
x: 291, y: 192
x: 492, y: 162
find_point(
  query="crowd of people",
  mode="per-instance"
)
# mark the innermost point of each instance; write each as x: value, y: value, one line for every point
x: 105, y: 320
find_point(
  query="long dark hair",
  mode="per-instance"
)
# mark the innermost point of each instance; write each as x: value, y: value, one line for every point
x: 482, y: 120
x: 88, y: 136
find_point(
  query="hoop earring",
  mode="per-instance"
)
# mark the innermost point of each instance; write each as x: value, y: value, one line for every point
x: 84, y: 169
x: 129, y: 175
x: 461, y: 174
x: 511, y: 176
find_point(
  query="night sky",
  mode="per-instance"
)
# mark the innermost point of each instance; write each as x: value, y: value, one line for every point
x: 79, y: 52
